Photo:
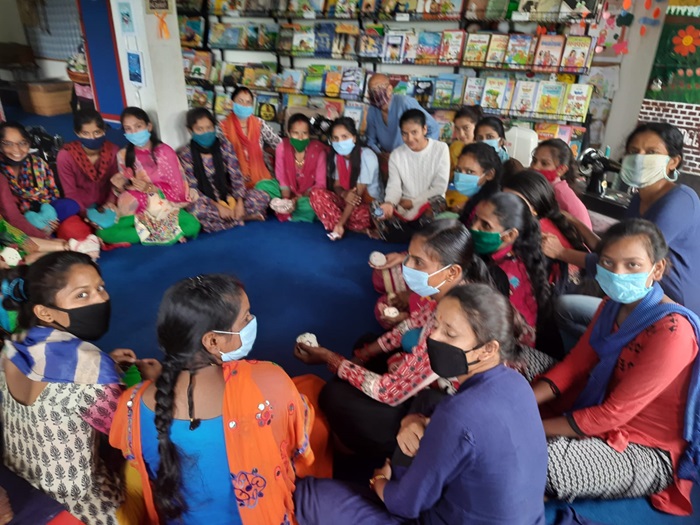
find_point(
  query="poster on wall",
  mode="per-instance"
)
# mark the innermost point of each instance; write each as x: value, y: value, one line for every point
x: 135, y: 61
x: 159, y: 6
x: 126, y: 19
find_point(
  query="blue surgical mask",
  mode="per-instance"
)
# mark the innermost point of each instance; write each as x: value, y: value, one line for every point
x: 206, y: 140
x: 242, y: 111
x: 623, y: 288
x: 247, y: 335
x: 466, y: 183
x: 93, y: 144
x: 343, y: 147
x: 496, y: 144
x: 139, y: 139
x: 417, y: 281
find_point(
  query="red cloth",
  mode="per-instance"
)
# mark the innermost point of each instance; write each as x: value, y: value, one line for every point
x: 73, y: 228
x: 547, y: 226
x: 83, y: 182
x: 9, y: 210
x: 342, y: 164
x: 312, y: 175
x: 329, y: 207
x: 646, y: 398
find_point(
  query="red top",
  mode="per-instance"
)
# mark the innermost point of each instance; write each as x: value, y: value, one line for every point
x: 547, y: 226
x: 9, y: 210
x: 646, y: 398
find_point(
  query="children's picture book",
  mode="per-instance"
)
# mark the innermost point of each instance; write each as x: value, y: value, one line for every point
x: 476, y: 9
x: 332, y: 82
x: 330, y: 108
x: 325, y: 34
x: 252, y: 36
x: 428, y: 47
x: 445, y: 121
x: 201, y: 65
x: 221, y: 7
x: 493, y: 95
x: 267, y: 36
x: 457, y: 87
x: 518, y: 52
x: 576, y: 52
x: 371, y: 41
x: 352, y: 83
x: 302, y: 7
x: 498, y: 46
x: 424, y: 90
x: 393, y: 47
x: 400, y: 84
x: 476, y: 49
x: 223, y: 105
x: 368, y: 7
x: 355, y: 110
x: 410, y: 48
x: 267, y: 106
x: 199, y: 97
x: 344, y: 9
x: 548, y: 53
x: 473, y: 91
x: 443, y: 93
x: 524, y: 98
x: 578, y: 98
x: 295, y: 101
x: 345, y: 41
x: 576, y: 141
x: 304, y: 41
x: 526, y: 10
x: 191, y: 31
x: 288, y: 81
x: 549, y: 98
x: 232, y: 74
x: 227, y: 36
x: 313, y: 81
x: 508, y: 98
x: 286, y: 38
x: 257, y: 78
x: 546, y: 130
x: 451, y: 47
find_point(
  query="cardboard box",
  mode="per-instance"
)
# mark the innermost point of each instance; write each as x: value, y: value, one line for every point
x: 47, y: 98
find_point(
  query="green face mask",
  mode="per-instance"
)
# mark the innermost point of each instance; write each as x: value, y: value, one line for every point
x: 485, y: 243
x: 299, y: 144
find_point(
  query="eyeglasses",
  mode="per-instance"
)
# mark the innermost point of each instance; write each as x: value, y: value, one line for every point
x: 21, y: 145
x: 94, y: 135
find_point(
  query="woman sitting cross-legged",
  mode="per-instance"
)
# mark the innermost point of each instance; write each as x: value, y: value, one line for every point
x: 480, y: 457
x: 59, y: 391
x: 365, y: 405
x: 221, y: 200
x: 623, y: 420
x: 353, y: 175
x: 215, y: 438
x: 300, y: 166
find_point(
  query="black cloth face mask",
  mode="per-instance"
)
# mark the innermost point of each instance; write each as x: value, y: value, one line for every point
x: 447, y: 360
x: 88, y: 323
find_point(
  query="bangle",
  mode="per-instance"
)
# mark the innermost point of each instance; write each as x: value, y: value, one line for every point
x: 376, y: 478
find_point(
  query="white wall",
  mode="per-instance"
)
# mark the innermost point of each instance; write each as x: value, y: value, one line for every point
x: 11, y: 29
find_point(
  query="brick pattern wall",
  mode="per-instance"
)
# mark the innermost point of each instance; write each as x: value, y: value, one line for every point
x: 685, y: 117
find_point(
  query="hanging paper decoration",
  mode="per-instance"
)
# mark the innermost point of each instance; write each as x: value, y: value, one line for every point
x: 621, y: 48
x: 161, y: 9
x: 627, y: 5
x: 625, y: 19
x: 686, y: 41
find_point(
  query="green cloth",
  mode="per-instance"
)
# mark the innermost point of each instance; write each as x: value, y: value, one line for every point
x: 9, y: 235
x: 303, y: 212
x: 125, y: 231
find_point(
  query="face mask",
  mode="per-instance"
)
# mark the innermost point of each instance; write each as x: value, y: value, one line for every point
x: 344, y: 147
x: 299, y: 144
x: 467, y: 184
x: 13, y: 162
x: 206, y: 140
x: 623, y: 288
x: 139, y: 139
x: 496, y: 144
x: 379, y: 98
x: 485, y: 243
x: 88, y: 323
x: 93, y: 144
x: 242, y: 111
x: 447, y: 360
x: 550, y: 175
x: 417, y: 281
x: 247, y: 335
x: 640, y: 171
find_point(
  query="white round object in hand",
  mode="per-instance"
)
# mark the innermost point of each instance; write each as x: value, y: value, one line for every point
x: 377, y: 259
x: 308, y: 339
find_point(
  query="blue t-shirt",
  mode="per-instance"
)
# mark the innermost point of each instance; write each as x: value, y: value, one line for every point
x: 482, y: 460
x: 387, y: 137
x: 206, y: 480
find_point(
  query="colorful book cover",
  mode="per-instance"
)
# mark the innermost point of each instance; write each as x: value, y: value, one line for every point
x: 257, y: 78
x: 344, y: 9
x: 252, y: 37
x: 428, y: 47
x: 191, y: 31
x: 368, y: 7
x: 352, y: 83
x: 578, y: 97
x: 226, y: 36
x: 223, y: 105
x: 302, y: 7
x: 498, y: 46
x: 549, y: 98
x: 476, y: 49
x: 201, y: 65
x: 325, y: 34
x: 476, y: 9
x: 576, y: 52
x: 451, y: 47
x: 345, y: 41
x: 288, y: 81
x: 473, y: 91
x: 443, y: 93
x: 267, y: 36
x: 564, y: 133
x: 576, y: 141
x: 332, y: 82
x: 410, y: 48
x: 221, y: 7
x: 546, y: 130
x: 439, y: 9
x: 266, y: 106
x: 313, y: 81
x: 355, y: 110
x: 330, y: 108
x: 400, y: 84
x: 508, y: 98
x: 524, y: 99
x: 458, y: 82
x: 424, y: 90
x: 295, y: 100
x: 518, y: 52
x: 232, y: 74
x: 496, y: 9
x: 393, y: 47
x: 199, y: 97
x: 548, y: 53
x: 493, y: 95
x: 445, y: 121
x: 526, y: 10
x: 372, y: 41
x: 286, y: 38
x: 576, y: 8
x: 304, y: 41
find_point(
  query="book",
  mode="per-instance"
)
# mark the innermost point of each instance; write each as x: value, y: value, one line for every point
x: 191, y: 30
x: 548, y: 53
x: 423, y: 91
x: 344, y: 9
x: 518, y: 52
x: 285, y: 38
x: 393, y: 47
x: 564, y: 133
x: 443, y: 93
x: 549, y: 98
x: 257, y: 78
x: 224, y: 36
x: 496, y: 9
x: 458, y: 81
x: 508, y: 97
x: 451, y: 47
x: 476, y: 9
x: 295, y: 100
x: 313, y: 81
x: 201, y: 65
x: 445, y: 122
x: 496, y: 55
x: 577, y: 100
x: 352, y: 83
x: 325, y: 34
x: 526, y: 10
x: 368, y: 7
x: 288, y: 81
x: 476, y: 49
x: 345, y: 41
x: 440, y: 9
x: 267, y: 106
x: 575, y: 55
x: 257, y: 6
x: 401, y: 84
x: 232, y: 74
x: 223, y: 104
x: 428, y: 49
x: 328, y: 107
x: 355, y: 111
x: 576, y: 8
x: 221, y: 7
x: 547, y: 10
x: 524, y: 98
x: 302, y: 7
x: 493, y: 95
x: 410, y: 48
x: 304, y: 41
x: 332, y: 82
x: 267, y: 36
x: 473, y: 91
x: 252, y: 36
x: 199, y: 97
x: 576, y: 141
x: 371, y: 41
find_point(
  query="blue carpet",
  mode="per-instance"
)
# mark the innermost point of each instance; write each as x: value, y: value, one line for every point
x: 297, y: 281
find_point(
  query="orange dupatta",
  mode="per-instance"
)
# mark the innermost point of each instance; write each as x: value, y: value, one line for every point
x: 248, y: 150
x: 266, y: 428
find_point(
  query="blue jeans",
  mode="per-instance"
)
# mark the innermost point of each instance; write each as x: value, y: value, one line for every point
x: 573, y: 314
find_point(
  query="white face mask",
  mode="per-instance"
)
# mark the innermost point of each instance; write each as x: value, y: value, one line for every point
x: 640, y: 171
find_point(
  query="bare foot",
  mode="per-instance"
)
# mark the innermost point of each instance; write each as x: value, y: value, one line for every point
x: 6, y: 513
